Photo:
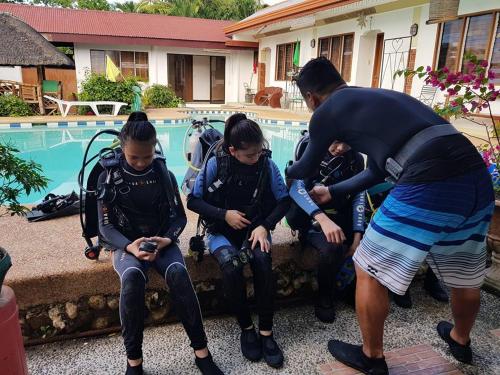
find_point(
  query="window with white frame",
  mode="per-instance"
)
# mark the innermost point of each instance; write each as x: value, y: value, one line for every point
x: 476, y: 34
x: 284, y: 61
x: 130, y: 63
x: 338, y: 49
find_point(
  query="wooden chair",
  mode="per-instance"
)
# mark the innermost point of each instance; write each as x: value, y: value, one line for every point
x: 31, y: 94
x: 53, y: 89
x: 270, y: 96
x: 9, y: 87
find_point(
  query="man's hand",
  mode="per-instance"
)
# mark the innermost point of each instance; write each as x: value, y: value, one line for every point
x: 320, y: 194
x: 259, y: 235
x: 162, y: 242
x: 332, y: 231
x: 236, y: 219
x: 133, y: 248
x: 355, y: 243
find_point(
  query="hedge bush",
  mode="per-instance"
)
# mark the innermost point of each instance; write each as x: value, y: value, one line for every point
x: 11, y: 105
x: 96, y: 88
x: 160, y: 96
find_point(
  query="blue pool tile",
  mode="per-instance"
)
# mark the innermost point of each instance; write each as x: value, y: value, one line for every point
x: 288, y: 123
x: 15, y: 125
x: 82, y: 123
x: 118, y: 122
x: 63, y: 124
x: 100, y: 123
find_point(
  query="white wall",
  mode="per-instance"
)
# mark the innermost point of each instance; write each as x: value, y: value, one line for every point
x: 11, y: 73
x: 201, y: 77
x: 239, y: 64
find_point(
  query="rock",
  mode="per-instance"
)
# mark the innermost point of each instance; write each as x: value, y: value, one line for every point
x: 159, y: 314
x: 71, y: 310
x: 57, y: 320
x: 314, y: 284
x: 97, y: 302
x: 250, y: 290
x: 100, y: 323
x: 285, y: 292
x: 283, y: 280
x: 204, y: 286
x: 37, y: 319
x: 113, y: 303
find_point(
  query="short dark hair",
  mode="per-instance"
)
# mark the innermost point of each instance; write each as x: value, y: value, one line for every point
x: 240, y: 132
x: 138, y: 128
x: 318, y: 76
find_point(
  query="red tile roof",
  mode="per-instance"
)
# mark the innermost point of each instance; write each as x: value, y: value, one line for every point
x: 118, y: 25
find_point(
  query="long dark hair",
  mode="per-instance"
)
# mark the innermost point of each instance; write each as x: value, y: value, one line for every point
x: 138, y: 128
x: 240, y: 132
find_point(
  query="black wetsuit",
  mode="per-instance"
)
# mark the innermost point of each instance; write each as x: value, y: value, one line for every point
x: 225, y: 242
x: 347, y: 212
x: 377, y: 123
x: 141, y: 209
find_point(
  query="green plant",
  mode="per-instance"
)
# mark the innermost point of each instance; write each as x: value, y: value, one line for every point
x: 160, y: 96
x: 470, y: 92
x: 96, y: 87
x: 17, y: 176
x: 11, y: 105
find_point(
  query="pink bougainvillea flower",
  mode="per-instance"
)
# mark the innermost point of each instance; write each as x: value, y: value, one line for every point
x: 491, y: 74
x: 483, y: 63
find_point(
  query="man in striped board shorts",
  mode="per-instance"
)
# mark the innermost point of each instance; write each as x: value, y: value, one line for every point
x: 438, y: 211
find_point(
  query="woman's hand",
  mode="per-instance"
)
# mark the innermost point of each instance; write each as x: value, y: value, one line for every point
x: 133, y: 248
x: 320, y: 194
x: 355, y: 243
x: 259, y: 235
x: 236, y: 219
x: 162, y: 242
x: 332, y: 231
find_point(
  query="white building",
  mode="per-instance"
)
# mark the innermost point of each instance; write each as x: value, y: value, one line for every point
x: 191, y: 55
x: 368, y: 40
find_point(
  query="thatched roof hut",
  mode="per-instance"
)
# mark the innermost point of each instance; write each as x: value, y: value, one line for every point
x: 22, y: 45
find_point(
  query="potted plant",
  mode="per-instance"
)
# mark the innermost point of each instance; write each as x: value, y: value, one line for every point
x: 469, y: 93
x: 17, y: 176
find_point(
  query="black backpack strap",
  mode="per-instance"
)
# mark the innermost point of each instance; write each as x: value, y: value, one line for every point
x: 166, y: 181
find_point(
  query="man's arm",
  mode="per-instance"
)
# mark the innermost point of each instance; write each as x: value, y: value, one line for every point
x: 322, y: 133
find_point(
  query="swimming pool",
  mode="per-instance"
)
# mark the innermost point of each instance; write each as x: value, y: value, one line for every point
x: 60, y: 150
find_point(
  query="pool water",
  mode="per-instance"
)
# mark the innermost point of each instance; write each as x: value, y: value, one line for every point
x: 60, y: 151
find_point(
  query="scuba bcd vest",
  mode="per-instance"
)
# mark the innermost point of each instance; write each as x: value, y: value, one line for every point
x: 332, y: 169
x: 114, y: 185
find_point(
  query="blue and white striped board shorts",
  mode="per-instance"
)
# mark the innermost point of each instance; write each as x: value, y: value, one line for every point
x: 443, y: 222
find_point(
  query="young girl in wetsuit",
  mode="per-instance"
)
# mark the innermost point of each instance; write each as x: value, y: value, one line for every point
x: 224, y: 196
x: 139, y: 211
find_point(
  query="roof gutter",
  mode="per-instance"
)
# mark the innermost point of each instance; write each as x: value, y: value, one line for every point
x: 293, y: 11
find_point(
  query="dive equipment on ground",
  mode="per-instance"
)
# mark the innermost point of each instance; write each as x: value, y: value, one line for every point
x: 109, y: 162
x: 54, y: 206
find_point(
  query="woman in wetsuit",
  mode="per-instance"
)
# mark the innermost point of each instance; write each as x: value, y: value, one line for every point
x: 241, y: 196
x: 136, y: 210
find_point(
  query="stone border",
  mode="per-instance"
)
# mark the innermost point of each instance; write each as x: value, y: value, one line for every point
x: 99, y: 314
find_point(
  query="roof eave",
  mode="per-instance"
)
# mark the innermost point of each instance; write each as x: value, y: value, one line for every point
x: 293, y: 11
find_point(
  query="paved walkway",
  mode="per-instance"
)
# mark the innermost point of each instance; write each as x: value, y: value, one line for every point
x: 302, y: 337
